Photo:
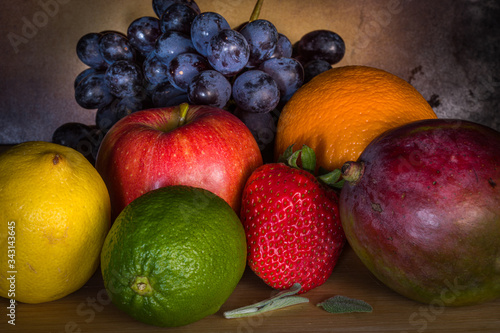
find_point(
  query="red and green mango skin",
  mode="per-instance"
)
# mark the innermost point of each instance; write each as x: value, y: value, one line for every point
x: 424, y: 217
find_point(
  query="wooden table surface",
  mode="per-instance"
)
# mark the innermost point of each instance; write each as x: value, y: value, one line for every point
x: 90, y: 310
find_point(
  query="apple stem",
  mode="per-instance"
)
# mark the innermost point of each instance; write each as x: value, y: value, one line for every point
x: 183, y: 109
x: 256, y: 10
x: 353, y: 171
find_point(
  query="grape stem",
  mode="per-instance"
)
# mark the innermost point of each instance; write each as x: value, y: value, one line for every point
x: 256, y: 10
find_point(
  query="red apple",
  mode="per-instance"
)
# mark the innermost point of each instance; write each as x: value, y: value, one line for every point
x: 198, y: 146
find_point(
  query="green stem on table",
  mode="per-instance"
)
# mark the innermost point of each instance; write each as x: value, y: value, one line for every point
x: 281, y: 300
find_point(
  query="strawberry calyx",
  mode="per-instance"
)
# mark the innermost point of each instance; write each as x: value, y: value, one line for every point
x: 307, y: 158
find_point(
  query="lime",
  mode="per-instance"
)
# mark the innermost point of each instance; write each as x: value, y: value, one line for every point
x: 173, y: 256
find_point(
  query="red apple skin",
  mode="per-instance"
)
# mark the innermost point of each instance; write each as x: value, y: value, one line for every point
x: 150, y: 149
x: 424, y: 217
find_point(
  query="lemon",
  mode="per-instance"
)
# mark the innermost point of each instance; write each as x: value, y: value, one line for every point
x: 173, y: 256
x: 54, y: 217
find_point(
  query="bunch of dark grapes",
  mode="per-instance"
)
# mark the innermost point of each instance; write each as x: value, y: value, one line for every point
x: 185, y: 55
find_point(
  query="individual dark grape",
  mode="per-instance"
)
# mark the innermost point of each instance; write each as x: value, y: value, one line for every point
x: 70, y: 134
x: 109, y: 115
x: 149, y: 88
x: 288, y: 74
x: 83, y: 75
x: 209, y: 88
x: 106, y: 116
x: 130, y: 104
x: 321, y: 44
x: 115, y: 46
x: 92, y: 92
x: 314, y: 68
x: 165, y: 94
x: 178, y: 17
x: 80, y: 137
x: 124, y: 78
x: 261, y: 125
x: 160, y: 6
x: 143, y: 32
x: 262, y: 38
x: 87, y: 50
x: 184, y: 67
x: 204, y: 27
x: 97, y: 136
x: 154, y: 70
x: 256, y: 91
x: 228, y: 52
x: 172, y: 43
x: 284, y: 47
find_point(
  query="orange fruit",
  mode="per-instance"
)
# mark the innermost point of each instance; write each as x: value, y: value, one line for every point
x: 339, y: 112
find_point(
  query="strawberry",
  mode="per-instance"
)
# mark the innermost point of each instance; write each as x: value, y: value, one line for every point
x: 291, y: 221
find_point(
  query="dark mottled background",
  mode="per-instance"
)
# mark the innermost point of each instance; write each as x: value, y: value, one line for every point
x: 449, y: 50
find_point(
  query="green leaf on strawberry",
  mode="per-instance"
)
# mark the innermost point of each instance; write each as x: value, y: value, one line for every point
x: 308, y: 163
x: 333, y: 179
